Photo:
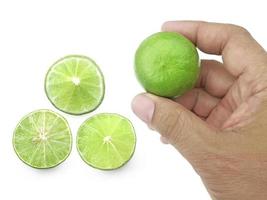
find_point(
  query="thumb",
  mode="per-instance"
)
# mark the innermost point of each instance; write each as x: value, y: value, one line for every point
x: 179, y: 126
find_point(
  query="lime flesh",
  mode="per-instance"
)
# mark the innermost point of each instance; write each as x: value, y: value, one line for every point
x: 75, y: 85
x: 106, y: 141
x: 42, y: 139
x: 167, y: 64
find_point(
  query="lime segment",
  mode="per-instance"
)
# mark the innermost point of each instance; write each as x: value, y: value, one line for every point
x: 42, y: 139
x: 106, y: 141
x: 75, y: 85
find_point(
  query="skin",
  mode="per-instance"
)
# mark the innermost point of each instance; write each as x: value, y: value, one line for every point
x: 220, y: 126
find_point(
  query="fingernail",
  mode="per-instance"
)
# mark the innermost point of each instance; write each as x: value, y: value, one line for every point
x: 165, y: 25
x: 164, y: 140
x: 143, y: 107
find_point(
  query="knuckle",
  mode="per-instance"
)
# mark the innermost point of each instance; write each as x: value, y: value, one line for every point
x: 173, y: 126
x: 238, y: 29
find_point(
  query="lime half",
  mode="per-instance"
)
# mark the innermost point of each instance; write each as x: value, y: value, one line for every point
x: 75, y: 85
x: 106, y: 141
x: 42, y: 139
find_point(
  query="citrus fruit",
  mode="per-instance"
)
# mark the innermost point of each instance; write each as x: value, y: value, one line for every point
x: 106, y: 141
x: 42, y: 139
x: 167, y: 64
x: 75, y: 85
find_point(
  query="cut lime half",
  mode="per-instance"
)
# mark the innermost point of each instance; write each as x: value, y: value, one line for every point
x: 106, y: 141
x: 42, y: 139
x: 75, y: 85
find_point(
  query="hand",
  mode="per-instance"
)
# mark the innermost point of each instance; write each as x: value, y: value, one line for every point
x: 220, y: 126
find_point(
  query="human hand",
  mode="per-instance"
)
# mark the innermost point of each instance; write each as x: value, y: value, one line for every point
x: 220, y: 126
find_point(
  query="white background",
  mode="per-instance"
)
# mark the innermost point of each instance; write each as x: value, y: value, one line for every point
x: 34, y: 34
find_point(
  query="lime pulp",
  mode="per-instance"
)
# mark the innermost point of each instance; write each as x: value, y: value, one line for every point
x: 42, y: 139
x: 75, y: 85
x: 106, y: 141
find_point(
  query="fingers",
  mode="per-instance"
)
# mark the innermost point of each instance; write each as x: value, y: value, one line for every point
x: 234, y: 43
x: 213, y: 83
x: 198, y: 101
x: 214, y: 78
x: 176, y: 124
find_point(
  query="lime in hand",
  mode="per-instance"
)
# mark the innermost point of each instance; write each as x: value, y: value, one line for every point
x: 42, y: 139
x: 167, y: 64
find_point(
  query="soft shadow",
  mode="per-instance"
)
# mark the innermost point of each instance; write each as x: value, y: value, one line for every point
x: 125, y: 169
x: 52, y: 170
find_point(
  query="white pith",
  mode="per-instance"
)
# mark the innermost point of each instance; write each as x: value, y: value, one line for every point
x: 107, y: 139
x: 76, y: 80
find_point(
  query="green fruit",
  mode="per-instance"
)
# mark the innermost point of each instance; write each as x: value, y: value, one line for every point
x: 106, y: 141
x: 42, y: 139
x: 75, y: 85
x: 167, y: 64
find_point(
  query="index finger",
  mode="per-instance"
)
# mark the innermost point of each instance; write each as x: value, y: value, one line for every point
x: 234, y: 43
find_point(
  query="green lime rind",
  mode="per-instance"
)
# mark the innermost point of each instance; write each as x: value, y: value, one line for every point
x: 42, y: 139
x: 106, y: 141
x: 68, y: 97
x: 167, y: 64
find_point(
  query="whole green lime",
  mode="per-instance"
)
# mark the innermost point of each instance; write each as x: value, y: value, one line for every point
x: 167, y: 64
